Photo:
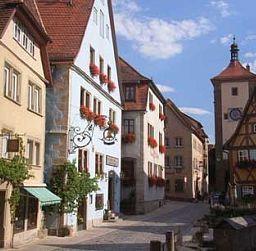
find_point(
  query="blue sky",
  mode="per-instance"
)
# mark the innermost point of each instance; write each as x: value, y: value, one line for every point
x: 182, y: 44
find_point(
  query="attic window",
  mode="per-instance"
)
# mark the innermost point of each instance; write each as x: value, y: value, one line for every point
x: 130, y: 93
x: 234, y: 91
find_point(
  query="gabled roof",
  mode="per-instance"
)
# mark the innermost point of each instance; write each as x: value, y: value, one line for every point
x: 129, y: 75
x: 66, y: 22
x: 189, y: 122
x: 234, y: 71
x: 230, y: 141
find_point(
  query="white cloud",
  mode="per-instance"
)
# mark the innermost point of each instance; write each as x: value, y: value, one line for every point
x: 223, y: 7
x: 250, y: 55
x: 155, y: 37
x: 194, y: 111
x: 250, y: 37
x: 165, y: 88
x: 226, y: 39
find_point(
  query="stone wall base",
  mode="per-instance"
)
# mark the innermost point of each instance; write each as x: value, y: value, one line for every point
x: 93, y: 223
x: 148, y: 206
x: 25, y: 237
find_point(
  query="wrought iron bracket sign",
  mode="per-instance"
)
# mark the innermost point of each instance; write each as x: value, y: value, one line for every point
x: 80, y: 138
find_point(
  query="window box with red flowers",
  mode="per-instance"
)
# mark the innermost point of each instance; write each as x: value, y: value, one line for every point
x: 103, y: 78
x: 160, y: 182
x: 152, y: 180
x: 152, y: 142
x: 111, y: 86
x: 162, y: 149
x: 162, y: 117
x: 86, y: 113
x: 152, y: 106
x: 95, y: 71
x: 129, y: 138
x: 100, y: 121
x: 114, y: 128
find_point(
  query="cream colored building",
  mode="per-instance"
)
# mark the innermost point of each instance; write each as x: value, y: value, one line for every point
x: 24, y: 74
x: 186, y: 161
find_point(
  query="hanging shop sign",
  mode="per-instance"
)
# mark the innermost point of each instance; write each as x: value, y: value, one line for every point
x: 112, y: 161
x: 13, y: 145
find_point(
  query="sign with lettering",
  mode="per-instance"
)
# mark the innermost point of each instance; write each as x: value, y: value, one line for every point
x: 112, y: 161
x: 13, y: 145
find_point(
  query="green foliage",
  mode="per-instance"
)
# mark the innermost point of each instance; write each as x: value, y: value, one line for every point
x: 71, y: 186
x: 14, y: 172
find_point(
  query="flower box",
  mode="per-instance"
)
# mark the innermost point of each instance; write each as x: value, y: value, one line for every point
x: 100, y: 121
x: 114, y: 128
x: 86, y: 113
x: 162, y: 117
x: 152, y: 142
x: 129, y: 138
x: 111, y: 86
x: 152, y: 106
x: 95, y: 71
x: 162, y: 149
x: 160, y: 182
x: 103, y: 78
x: 152, y: 180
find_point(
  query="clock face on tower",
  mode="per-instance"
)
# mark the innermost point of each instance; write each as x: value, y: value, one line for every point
x: 235, y: 114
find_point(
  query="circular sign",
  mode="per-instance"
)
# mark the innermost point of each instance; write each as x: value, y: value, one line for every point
x: 235, y: 114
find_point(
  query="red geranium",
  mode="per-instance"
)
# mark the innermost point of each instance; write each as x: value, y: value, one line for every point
x: 162, y: 116
x: 114, y: 128
x: 162, y: 149
x: 152, y: 106
x: 86, y: 113
x: 152, y: 181
x: 129, y: 138
x: 100, y: 121
x: 152, y: 142
x: 94, y: 70
x: 103, y: 78
x: 111, y: 86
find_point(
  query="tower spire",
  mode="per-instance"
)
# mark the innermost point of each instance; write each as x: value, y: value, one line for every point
x: 234, y: 50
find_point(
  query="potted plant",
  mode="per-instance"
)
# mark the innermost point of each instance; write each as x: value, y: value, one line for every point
x: 162, y: 117
x: 129, y: 138
x: 103, y: 78
x: 152, y: 142
x: 100, y: 121
x: 114, y: 128
x: 152, y: 106
x: 111, y: 86
x: 86, y: 113
x: 162, y: 149
x: 94, y: 70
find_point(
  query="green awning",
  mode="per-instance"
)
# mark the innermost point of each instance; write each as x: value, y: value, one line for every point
x: 45, y: 196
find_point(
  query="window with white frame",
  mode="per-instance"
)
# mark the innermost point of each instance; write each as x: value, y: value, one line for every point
x: 101, y: 24
x: 95, y: 15
x: 150, y: 169
x: 155, y: 169
x: 112, y: 116
x: 34, y: 98
x: 85, y: 98
x: 37, y: 154
x: 178, y: 161
x: 12, y: 83
x: 107, y: 31
x: 30, y: 151
x: 151, y: 132
x: 21, y: 35
x: 247, y: 190
x: 242, y: 155
x: 160, y: 171
x: 129, y: 126
x: 4, y: 140
x: 96, y: 106
x: 178, y: 142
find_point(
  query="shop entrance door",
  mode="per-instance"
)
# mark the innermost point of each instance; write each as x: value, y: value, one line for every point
x: 2, y: 205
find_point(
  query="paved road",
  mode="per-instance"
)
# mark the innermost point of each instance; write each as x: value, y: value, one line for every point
x: 133, y: 234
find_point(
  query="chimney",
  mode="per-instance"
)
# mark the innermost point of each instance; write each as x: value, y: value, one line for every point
x: 248, y: 67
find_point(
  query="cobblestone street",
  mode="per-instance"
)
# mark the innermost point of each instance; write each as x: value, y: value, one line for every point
x: 133, y: 233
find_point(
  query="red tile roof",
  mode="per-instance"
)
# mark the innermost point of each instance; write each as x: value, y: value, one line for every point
x: 234, y: 71
x: 6, y: 12
x: 65, y: 22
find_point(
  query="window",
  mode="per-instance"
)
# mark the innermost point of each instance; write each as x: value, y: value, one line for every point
x: 92, y: 56
x: 95, y: 15
x: 37, y: 151
x: 20, y: 34
x: 167, y: 142
x: 83, y: 161
x: 129, y: 126
x: 98, y: 164
x: 178, y: 161
x: 252, y: 154
x: 99, y: 201
x: 85, y: 98
x: 234, y: 91
x: 34, y: 98
x: 130, y: 93
x: 12, y: 83
x: 160, y: 171
x: 179, y: 185
x: 30, y: 151
x: 109, y: 72
x: 150, y: 97
x: 112, y: 116
x: 101, y: 65
x: 6, y: 134
x: 247, y: 190
x: 20, y: 215
x: 160, y: 139
x: 96, y: 106
x: 160, y: 109
x: 167, y: 161
x: 101, y: 24
x: 178, y: 142
x: 254, y: 128
x: 150, y: 131
x: 155, y: 169
x: 107, y: 31
x: 150, y: 169
x: 242, y: 155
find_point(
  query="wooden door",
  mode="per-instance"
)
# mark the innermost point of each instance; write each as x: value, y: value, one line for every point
x: 2, y: 206
x: 82, y: 215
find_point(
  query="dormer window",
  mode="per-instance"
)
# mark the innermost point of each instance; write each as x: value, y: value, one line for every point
x: 21, y: 36
x: 130, y: 93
